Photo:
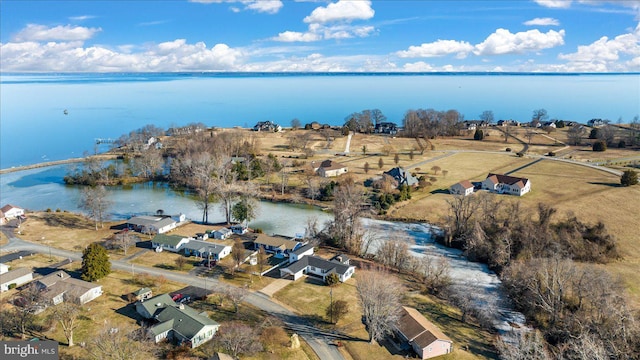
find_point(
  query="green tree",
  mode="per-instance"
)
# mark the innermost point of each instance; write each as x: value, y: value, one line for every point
x: 95, y: 262
x: 478, y: 135
x: 599, y: 146
x: 364, y: 149
x: 629, y: 177
x: 332, y: 280
x: 244, y: 210
x: 594, y: 134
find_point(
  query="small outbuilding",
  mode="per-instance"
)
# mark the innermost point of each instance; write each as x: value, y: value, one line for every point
x: 463, y: 188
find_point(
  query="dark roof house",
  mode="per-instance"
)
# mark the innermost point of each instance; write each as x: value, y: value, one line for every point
x: 402, y: 176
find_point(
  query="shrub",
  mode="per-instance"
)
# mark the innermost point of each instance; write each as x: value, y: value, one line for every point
x: 508, y: 150
x: 48, y: 210
x: 622, y: 144
x: 478, y: 135
x: 551, y: 153
x: 599, y: 146
x: 629, y: 177
x: 593, y: 134
x: 520, y: 154
x: 332, y: 280
x: 257, y: 230
x: 12, y: 286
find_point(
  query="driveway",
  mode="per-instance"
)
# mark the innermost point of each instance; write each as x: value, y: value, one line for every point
x: 316, y: 338
x: 273, y: 287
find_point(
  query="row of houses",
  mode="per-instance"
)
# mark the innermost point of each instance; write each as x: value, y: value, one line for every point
x: 496, y: 183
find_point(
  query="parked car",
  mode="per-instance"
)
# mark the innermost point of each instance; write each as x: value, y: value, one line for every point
x: 176, y: 297
x: 185, y: 300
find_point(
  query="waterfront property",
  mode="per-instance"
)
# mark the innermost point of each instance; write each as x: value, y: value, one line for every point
x: 239, y: 229
x: 9, y: 212
x: 177, y: 322
x: 152, y: 224
x: 329, y: 168
x: 14, y: 278
x: 277, y: 245
x: 206, y: 250
x: 302, y: 261
x: 426, y: 339
x: 504, y: 184
x: 171, y: 243
x: 463, y: 188
x: 386, y: 128
x: 222, y: 234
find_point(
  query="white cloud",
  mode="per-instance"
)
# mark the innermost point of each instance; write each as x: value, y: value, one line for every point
x: 34, y: 32
x: 438, y: 48
x: 343, y: 10
x: 81, y: 17
x: 262, y: 6
x: 317, y: 32
x: 556, y: 4
x: 606, y: 53
x: 542, y: 22
x: 419, y: 66
x: 502, y: 41
x: 294, y: 36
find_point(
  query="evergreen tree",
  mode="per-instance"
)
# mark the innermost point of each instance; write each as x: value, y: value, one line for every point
x: 95, y: 262
x: 629, y: 177
x: 478, y: 135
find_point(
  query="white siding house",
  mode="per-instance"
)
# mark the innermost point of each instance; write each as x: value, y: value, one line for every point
x: 12, y: 212
x: 463, y: 188
x: 504, y: 184
x: 329, y: 168
x: 17, y: 277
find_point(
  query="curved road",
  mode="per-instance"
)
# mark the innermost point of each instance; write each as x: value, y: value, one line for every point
x: 316, y: 338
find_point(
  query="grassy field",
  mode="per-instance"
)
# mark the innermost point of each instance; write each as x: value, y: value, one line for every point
x: 310, y: 298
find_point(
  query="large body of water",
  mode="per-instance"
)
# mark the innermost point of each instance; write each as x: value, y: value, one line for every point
x: 34, y: 128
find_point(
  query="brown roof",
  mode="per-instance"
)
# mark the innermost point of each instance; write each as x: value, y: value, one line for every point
x: 417, y: 328
x: 466, y: 184
x: 284, y: 244
x: 331, y: 165
x: 8, y: 207
x: 506, y: 179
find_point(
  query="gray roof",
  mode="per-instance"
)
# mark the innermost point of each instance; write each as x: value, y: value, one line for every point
x: 328, y: 265
x: 141, y: 291
x: 53, y: 278
x: 203, y: 246
x: 170, y: 240
x: 12, y: 275
x: 186, y: 320
x: 161, y: 327
x: 156, y: 221
x: 302, y: 249
x: 402, y: 176
x: 157, y: 302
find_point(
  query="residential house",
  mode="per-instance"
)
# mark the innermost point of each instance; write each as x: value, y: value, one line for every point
x: 426, y: 339
x: 152, y: 224
x: 222, y: 234
x: 267, y: 126
x: 18, y: 277
x: 313, y: 126
x: 142, y: 294
x: 473, y: 124
x: 386, y: 128
x: 508, y: 123
x: 59, y: 286
x: 277, y: 245
x: 206, y: 250
x: 329, y: 168
x: 4, y: 268
x: 171, y: 243
x: 593, y: 123
x: 464, y: 188
x: 239, y: 229
x: 180, y: 323
x: 202, y: 236
x: 12, y: 212
x: 504, y: 184
x: 302, y: 261
x: 550, y: 124
x: 402, y: 176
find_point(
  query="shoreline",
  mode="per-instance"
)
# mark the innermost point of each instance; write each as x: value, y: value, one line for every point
x: 53, y: 163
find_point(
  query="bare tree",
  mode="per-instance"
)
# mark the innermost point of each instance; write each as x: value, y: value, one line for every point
x: 112, y: 343
x: 67, y: 315
x: 149, y: 163
x: 236, y: 338
x: 436, y: 273
x: 238, y: 255
x: 94, y: 200
x: 235, y: 295
x: 396, y: 158
x: 22, y: 317
x: 337, y: 310
x: 348, y: 206
x: 487, y: 116
x: 313, y: 186
x: 262, y: 260
x: 379, y: 295
x: 575, y: 134
x: 380, y: 163
x: 180, y: 261
x: 395, y: 253
x: 295, y: 124
x: 524, y: 346
x: 461, y: 212
x: 124, y: 240
x: 206, y: 170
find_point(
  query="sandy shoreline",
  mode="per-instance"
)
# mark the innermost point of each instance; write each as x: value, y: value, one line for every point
x: 51, y: 163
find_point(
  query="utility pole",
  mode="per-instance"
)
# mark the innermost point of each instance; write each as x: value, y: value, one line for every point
x: 331, y: 304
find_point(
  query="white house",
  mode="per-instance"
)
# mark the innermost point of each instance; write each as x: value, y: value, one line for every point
x: 12, y: 212
x: 18, y: 277
x: 426, y: 339
x: 171, y: 243
x: 307, y: 263
x: 152, y: 224
x: 329, y: 168
x: 177, y: 322
x: 206, y: 250
x: 58, y: 287
x: 464, y: 188
x: 222, y: 234
x: 504, y: 184
x: 3, y: 268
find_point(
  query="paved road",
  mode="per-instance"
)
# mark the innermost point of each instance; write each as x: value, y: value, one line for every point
x: 316, y: 338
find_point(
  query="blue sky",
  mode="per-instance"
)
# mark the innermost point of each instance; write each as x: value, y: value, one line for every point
x: 308, y: 35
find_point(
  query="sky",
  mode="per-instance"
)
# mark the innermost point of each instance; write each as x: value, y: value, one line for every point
x: 320, y: 36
